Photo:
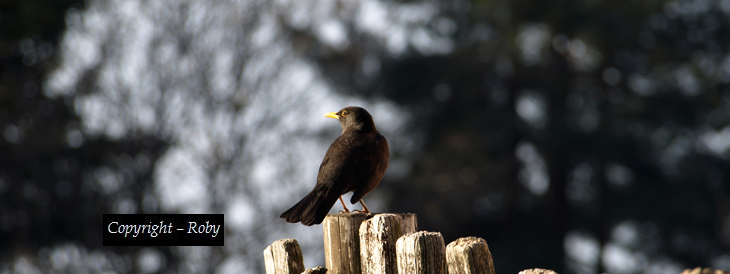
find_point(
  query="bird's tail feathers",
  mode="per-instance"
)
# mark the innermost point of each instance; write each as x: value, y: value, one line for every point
x: 312, y: 208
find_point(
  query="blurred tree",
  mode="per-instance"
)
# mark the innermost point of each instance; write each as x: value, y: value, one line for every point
x: 600, y: 118
x: 230, y: 87
x: 47, y: 163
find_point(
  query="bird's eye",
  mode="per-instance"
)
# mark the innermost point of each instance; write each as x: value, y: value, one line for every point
x: 344, y: 113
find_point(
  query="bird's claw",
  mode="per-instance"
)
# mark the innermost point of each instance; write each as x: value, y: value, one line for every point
x: 344, y: 211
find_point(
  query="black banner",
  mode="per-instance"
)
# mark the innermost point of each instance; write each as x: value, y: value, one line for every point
x: 163, y: 229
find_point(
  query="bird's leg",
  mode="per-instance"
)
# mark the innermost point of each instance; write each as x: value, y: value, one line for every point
x: 364, y: 208
x: 343, y: 205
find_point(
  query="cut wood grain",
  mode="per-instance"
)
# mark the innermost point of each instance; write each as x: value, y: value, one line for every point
x: 537, y: 271
x: 421, y: 252
x: 469, y: 255
x: 342, y: 242
x: 284, y: 257
x: 378, y: 237
x: 316, y: 270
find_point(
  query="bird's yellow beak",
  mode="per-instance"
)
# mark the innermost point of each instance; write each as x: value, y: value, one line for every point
x: 332, y: 115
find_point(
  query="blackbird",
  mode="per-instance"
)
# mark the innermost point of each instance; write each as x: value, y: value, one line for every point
x: 356, y: 161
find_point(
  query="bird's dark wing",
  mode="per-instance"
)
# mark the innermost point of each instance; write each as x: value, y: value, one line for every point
x: 333, y: 180
x: 337, y: 165
x: 374, y: 162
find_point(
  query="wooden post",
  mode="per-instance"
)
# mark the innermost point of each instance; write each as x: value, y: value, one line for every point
x: 377, y: 239
x: 378, y: 236
x: 284, y: 257
x: 341, y: 242
x: 316, y: 270
x: 541, y: 271
x: 409, y: 223
x: 469, y: 255
x: 421, y: 253
x: 698, y: 270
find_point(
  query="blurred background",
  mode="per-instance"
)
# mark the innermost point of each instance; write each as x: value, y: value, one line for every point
x: 580, y: 136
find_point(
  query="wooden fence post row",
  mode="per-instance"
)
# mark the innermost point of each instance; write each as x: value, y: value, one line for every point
x: 357, y: 243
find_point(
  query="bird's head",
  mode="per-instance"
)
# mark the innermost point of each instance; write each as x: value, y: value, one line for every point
x: 354, y: 118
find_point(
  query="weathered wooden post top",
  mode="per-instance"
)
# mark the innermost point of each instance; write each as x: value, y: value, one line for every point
x: 388, y: 243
